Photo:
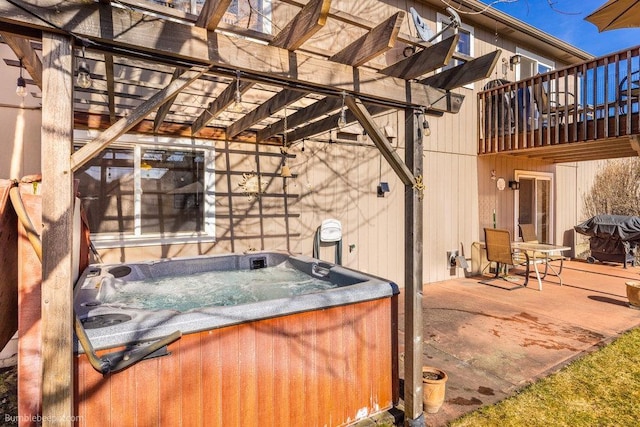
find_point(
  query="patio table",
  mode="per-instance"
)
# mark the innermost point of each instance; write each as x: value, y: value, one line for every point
x: 545, y: 250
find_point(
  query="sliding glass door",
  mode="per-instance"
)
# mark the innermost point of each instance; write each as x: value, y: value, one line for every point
x: 534, y: 203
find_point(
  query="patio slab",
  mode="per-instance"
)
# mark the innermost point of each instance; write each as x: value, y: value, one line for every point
x: 492, y: 342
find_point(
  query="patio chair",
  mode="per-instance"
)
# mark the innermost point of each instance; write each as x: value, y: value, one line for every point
x: 499, y: 251
x: 528, y: 233
x: 629, y: 89
x: 543, y: 104
x: 553, y: 107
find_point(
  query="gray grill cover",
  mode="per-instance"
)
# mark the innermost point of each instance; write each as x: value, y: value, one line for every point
x: 616, y: 227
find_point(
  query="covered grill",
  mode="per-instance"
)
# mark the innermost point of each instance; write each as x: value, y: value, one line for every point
x: 613, y: 238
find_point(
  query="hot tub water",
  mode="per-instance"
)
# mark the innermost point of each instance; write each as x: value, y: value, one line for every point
x: 213, y: 288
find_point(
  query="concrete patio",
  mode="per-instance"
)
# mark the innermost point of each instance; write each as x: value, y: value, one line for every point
x: 492, y: 341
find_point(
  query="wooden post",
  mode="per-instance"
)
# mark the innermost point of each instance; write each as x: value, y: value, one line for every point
x: 57, y: 233
x: 413, y: 341
x: 410, y: 172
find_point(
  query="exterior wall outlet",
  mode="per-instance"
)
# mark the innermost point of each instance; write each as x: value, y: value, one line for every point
x: 451, y: 258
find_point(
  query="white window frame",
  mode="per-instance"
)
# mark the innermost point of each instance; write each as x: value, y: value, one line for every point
x: 137, y: 238
x: 537, y: 58
x: 441, y: 22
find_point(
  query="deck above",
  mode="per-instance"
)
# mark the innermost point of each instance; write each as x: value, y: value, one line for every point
x: 584, y: 112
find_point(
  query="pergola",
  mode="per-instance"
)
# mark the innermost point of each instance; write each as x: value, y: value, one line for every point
x: 167, y: 72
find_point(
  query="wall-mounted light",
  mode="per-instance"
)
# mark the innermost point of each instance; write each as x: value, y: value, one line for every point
x: 514, y: 185
x: 383, y: 187
x: 514, y: 60
x: 84, y: 74
x: 342, y: 120
x: 505, y: 66
x: 21, y: 84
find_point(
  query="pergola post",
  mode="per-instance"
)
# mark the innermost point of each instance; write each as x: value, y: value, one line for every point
x: 57, y: 232
x: 413, y: 341
x: 410, y: 173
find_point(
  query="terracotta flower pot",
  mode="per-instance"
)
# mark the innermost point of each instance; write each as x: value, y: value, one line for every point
x: 633, y: 294
x: 434, y: 383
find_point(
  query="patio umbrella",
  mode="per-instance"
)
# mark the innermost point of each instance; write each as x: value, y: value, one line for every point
x: 616, y: 14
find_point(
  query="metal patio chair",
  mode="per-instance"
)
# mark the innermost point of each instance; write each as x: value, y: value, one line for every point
x: 500, y: 252
x: 629, y: 90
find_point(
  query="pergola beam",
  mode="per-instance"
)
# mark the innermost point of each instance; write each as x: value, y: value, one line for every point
x: 23, y: 50
x: 463, y: 74
x: 300, y: 117
x: 130, y: 33
x: 424, y: 61
x: 84, y: 120
x: 380, y: 140
x: 123, y: 125
x: 327, y: 124
x: 211, y: 13
x: 266, y: 109
x: 111, y: 93
x: 372, y: 44
x: 166, y: 107
x: 311, y: 18
x: 226, y: 98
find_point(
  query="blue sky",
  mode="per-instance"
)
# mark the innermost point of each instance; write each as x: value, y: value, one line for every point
x: 565, y: 20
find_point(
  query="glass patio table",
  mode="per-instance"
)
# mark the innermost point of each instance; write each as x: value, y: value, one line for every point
x: 546, y: 251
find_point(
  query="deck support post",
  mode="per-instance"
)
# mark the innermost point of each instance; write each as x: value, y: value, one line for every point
x: 57, y: 232
x: 413, y: 207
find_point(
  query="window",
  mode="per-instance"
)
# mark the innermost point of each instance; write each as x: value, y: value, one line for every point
x: 532, y: 65
x: 465, y: 42
x: 148, y: 194
x: 254, y: 15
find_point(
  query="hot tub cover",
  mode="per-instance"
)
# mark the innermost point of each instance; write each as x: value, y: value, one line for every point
x: 620, y: 227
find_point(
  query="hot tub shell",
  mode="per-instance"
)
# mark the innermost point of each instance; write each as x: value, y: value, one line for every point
x: 325, y: 358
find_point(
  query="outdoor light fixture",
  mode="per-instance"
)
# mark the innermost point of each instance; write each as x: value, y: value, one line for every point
x: 342, y: 120
x: 514, y: 185
x: 285, y: 172
x: 383, y: 187
x: 21, y: 85
x: 425, y: 122
x: 84, y: 75
x: 426, y: 127
x: 237, y: 104
x: 505, y: 66
x: 514, y: 60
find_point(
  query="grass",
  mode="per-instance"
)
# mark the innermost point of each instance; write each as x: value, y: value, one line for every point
x: 8, y: 393
x: 600, y: 389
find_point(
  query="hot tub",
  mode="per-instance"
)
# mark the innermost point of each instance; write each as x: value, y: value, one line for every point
x: 318, y: 350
